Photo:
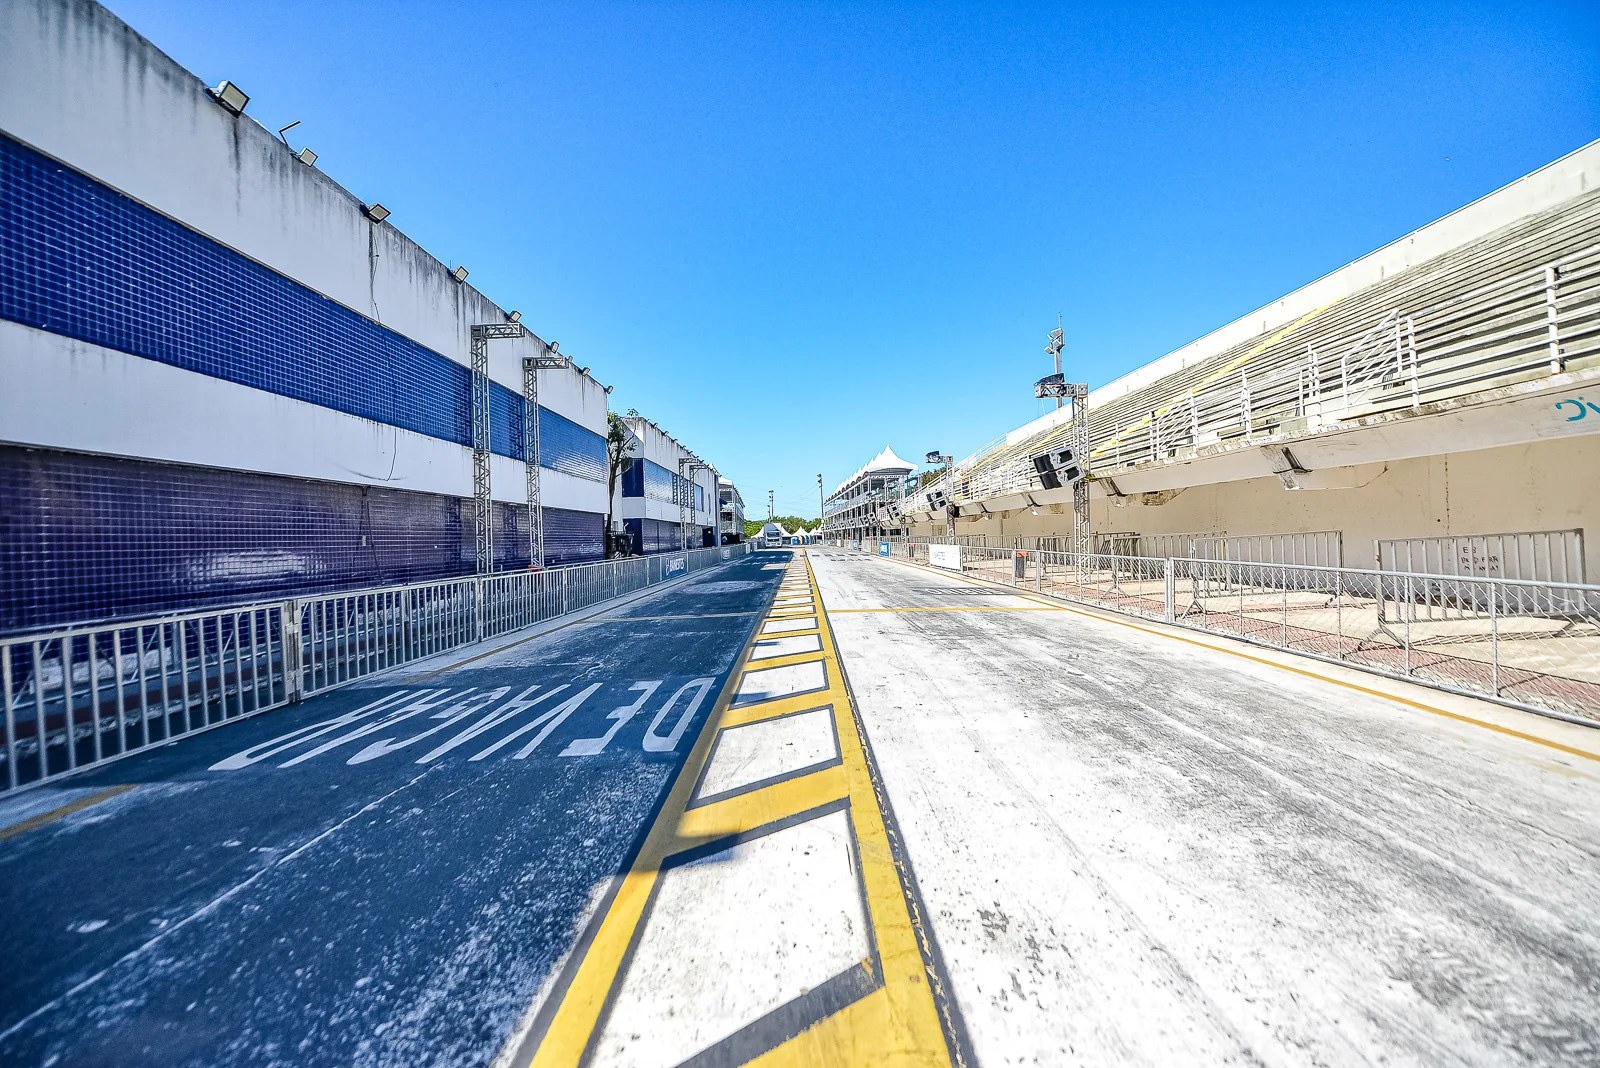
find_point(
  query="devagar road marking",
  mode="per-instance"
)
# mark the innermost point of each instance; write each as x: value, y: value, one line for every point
x: 731, y: 870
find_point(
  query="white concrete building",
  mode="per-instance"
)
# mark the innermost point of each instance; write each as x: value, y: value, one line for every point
x: 664, y: 484
x: 226, y: 377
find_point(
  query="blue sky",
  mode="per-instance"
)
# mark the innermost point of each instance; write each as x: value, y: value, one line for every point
x: 791, y: 233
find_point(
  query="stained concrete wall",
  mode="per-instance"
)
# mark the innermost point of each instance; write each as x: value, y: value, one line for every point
x: 1547, y: 485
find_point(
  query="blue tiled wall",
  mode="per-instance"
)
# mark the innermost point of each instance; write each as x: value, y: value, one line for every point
x: 652, y: 536
x: 80, y: 259
x: 84, y: 537
x: 643, y: 478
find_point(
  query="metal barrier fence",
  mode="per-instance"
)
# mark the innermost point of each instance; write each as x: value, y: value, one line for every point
x: 1533, y: 645
x: 79, y: 696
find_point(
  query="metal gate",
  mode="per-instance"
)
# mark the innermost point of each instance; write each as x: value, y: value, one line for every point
x: 1537, y: 556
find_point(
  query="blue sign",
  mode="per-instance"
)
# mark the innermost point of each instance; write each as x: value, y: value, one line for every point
x: 883, y: 548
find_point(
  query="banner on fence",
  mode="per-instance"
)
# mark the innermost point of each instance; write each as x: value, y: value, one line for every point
x: 945, y: 556
x: 883, y: 548
x: 676, y: 565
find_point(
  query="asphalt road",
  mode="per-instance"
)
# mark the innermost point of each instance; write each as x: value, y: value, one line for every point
x: 1006, y: 834
x: 1138, y: 851
x: 388, y: 874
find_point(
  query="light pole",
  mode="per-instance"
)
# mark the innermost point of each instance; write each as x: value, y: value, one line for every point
x: 821, y: 507
x: 945, y: 459
x: 1053, y: 347
x: 1057, y: 386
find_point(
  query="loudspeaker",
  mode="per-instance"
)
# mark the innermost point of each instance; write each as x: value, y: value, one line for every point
x: 1058, y: 468
x: 936, y: 500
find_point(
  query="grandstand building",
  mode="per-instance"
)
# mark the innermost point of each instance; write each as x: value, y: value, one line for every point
x: 730, y: 512
x: 226, y: 376
x: 1444, y: 387
x: 666, y: 500
x: 869, y: 502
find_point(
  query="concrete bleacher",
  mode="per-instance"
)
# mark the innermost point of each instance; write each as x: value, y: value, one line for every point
x: 1439, y: 342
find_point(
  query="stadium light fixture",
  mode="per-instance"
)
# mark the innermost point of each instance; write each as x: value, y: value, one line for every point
x: 376, y: 212
x: 515, y: 317
x: 308, y: 157
x: 231, y: 97
x: 459, y: 274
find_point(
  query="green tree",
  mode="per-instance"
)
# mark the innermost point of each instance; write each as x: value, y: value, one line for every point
x: 618, y: 460
x: 752, y: 527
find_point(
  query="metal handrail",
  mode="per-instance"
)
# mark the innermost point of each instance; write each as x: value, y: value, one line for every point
x: 79, y: 696
x: 1530, y: 643
x: 1539, y: 315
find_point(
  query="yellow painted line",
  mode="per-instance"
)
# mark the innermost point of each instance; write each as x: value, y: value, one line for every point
x: 897, y: 1024
x: 746, y: 812
x: 758, y: 666
x: 953, y: 608
x: 1108, y: 617
x: 43, y: 818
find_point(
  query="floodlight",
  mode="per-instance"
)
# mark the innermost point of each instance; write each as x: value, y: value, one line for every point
x: 308, y: 157
x: 555, y: 346
x: 459, y: 274
x: 231, y: 97
x: 376, y: 212
x: 515, y: 317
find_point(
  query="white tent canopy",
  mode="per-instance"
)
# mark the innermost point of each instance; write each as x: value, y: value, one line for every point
x: 885, y: 463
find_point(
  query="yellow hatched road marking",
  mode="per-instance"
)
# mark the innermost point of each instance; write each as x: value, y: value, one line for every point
x: 898, y: 1022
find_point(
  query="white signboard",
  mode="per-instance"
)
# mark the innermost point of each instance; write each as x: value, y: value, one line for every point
x: 945, y: 556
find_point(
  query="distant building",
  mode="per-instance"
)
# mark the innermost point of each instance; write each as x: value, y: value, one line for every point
x: 667, y: 499
x: 730, y: 512
x: 227, y: 378
x: 868, y: 502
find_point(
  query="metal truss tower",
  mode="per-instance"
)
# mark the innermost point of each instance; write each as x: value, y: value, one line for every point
x: 531, y: 366
x: 1080, y: 489
x: 686, y: 472
x: 482, y: 502
x: 482, y: 497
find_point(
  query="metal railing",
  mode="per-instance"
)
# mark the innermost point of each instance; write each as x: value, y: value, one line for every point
x: 1515, y: 307
x: 77, y: 697
x: 1530, y: 644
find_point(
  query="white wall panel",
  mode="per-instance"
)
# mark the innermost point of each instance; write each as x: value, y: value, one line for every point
x: 66, y: 394
x: 79, y: 84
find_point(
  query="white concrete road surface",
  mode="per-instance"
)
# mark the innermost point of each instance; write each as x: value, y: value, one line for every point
x: 1139, y: 850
